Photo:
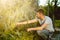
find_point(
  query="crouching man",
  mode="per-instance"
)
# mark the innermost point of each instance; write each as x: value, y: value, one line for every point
x: 46, y: 25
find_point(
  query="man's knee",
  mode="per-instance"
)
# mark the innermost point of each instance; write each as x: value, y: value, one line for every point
x: 43, y: 33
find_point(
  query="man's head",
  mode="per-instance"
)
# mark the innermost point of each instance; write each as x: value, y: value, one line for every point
x: 40, y: 13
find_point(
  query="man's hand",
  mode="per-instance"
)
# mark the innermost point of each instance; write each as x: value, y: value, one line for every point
x: 30, y: 29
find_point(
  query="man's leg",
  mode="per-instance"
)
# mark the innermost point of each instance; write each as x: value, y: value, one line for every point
x: 44, y: 34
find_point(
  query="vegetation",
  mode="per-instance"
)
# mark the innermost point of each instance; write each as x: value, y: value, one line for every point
x: 13, y: 11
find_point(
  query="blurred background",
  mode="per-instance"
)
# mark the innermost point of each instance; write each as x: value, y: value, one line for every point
x: 13, y: 11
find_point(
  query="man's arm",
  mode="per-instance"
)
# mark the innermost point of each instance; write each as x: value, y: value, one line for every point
x: 27, y: 22
x: 38, y: 28
x: 46, y: 23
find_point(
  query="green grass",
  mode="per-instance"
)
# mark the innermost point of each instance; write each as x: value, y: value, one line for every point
x: 57, y: 23
x: 19, y: 33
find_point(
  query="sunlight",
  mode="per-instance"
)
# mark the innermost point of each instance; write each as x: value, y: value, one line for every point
x: 42, y: 2
x: 7, y: 3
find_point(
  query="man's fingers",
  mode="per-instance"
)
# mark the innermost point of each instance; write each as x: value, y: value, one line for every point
x: 28, y: 29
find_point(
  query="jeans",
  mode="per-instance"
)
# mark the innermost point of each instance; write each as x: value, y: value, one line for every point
x: 44, y: 33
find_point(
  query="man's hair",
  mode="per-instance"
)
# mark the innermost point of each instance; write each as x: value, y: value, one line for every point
x: 40, y: 11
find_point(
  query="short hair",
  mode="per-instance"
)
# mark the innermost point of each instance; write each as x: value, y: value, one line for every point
x: 40, y: 11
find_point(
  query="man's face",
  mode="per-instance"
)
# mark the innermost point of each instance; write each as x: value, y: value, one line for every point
x: 39, y: 15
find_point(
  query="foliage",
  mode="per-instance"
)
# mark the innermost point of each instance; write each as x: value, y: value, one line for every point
x: 19, y: 33
x: 13, y: 11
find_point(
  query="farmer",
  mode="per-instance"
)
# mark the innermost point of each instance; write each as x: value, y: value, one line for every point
x: 46, y: 25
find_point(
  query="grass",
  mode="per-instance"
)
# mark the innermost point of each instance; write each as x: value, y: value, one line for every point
x: 19, y: 33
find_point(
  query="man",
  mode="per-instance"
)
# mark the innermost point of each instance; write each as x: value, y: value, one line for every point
x: 45, y: 22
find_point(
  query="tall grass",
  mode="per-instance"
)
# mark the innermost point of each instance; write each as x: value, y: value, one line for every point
x: 13, y: 11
